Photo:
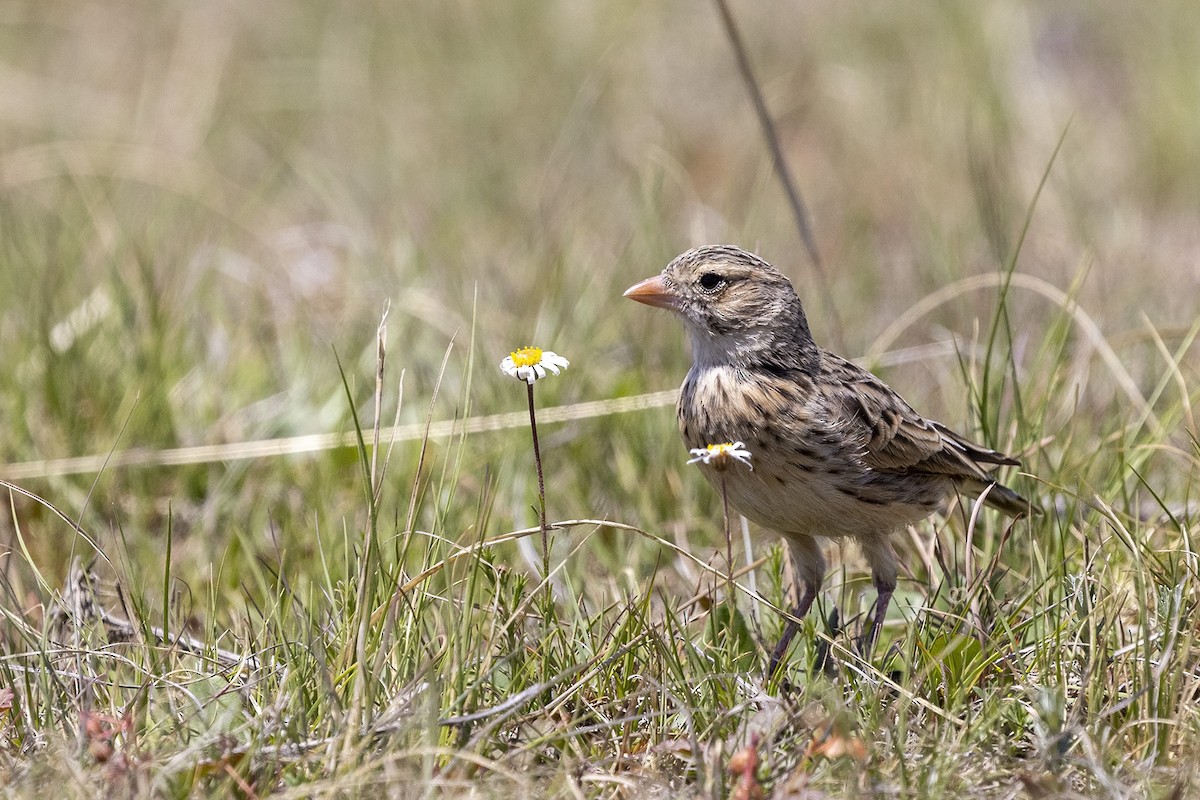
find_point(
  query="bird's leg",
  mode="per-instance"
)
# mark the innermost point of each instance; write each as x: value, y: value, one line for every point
x: 793, y: 625
x: 809, y: 564
x: 882, y: 558
x: 884, y: 589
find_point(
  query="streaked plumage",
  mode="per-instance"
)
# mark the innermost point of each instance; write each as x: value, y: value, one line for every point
x: 837, y: 453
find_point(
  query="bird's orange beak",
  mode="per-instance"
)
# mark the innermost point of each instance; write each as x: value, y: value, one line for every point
x: 652, y: 292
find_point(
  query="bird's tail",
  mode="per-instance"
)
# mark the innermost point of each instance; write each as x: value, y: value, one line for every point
x: 1002, y: 498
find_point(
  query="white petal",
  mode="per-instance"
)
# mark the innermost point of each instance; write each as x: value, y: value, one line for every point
x: 553, y: 361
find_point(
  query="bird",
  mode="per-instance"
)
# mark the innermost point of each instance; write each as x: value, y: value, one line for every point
x: 836, y: 452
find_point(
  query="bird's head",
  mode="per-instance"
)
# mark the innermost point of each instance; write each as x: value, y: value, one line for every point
x: 738, y: 309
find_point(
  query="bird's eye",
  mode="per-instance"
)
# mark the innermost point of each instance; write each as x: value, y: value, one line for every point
x: 711, y: 281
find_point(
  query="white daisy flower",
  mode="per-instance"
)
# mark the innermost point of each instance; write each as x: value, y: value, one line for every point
x: 530, y: 363
x: 720, y: 456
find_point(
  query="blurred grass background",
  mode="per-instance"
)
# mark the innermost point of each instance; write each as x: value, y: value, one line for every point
x: 248, y: 186
x: 201, y: 203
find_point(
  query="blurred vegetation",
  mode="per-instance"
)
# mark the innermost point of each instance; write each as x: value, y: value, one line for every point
x: 203, y: 207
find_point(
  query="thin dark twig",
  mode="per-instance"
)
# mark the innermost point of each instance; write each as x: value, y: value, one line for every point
x: 537, y: 458
x: 770, y: 133
x: 799, y: 212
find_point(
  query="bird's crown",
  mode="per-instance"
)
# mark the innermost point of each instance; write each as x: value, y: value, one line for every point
x: 733, y: 300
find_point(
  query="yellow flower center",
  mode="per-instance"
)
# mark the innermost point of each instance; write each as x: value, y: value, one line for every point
x: 719, y: 449
x: 526, y: 356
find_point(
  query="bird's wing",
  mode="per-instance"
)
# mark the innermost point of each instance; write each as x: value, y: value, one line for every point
x: 893, y: 437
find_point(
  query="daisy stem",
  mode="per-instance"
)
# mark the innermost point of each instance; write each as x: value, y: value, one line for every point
x: 537, y: 459
x: 728, y: 539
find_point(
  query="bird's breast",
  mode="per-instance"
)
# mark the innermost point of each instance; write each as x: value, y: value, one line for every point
x: 730, y: 404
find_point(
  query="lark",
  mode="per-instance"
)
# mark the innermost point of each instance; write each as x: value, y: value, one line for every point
x: 837, y: 453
